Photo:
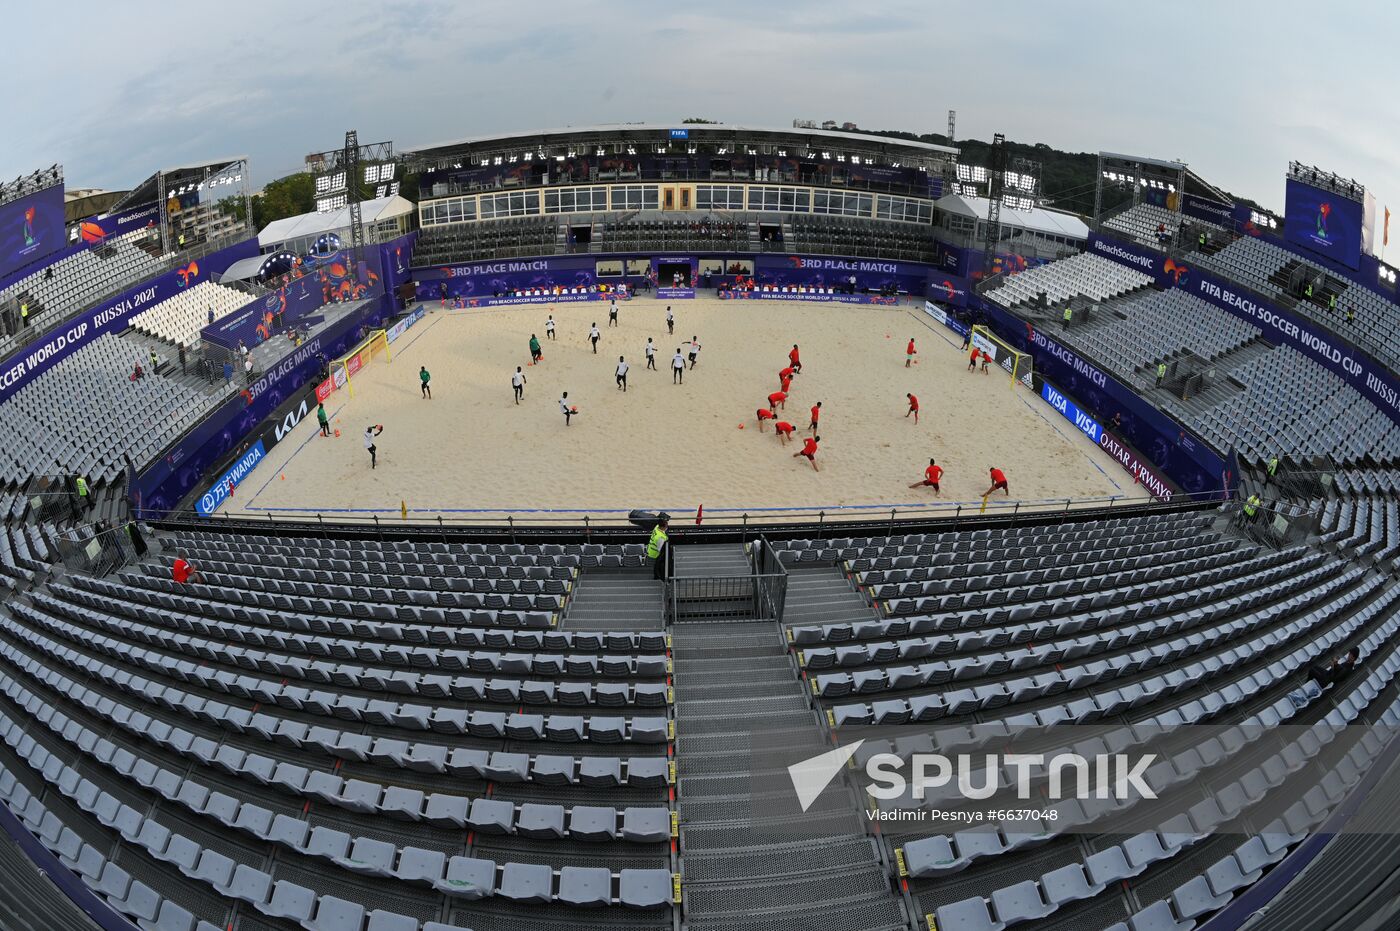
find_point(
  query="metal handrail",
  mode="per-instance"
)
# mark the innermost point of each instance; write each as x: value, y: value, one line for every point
x: 602, y: 520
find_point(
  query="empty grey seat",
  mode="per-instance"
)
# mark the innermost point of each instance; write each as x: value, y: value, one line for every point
x: 419, y: 865
x: 1019, y: 902
x: 640, y: 888
x: 508, y: 767
x: 542, y: 821
x: 1194, y: 898
x: 1158, y: 917
x: 170, y: 917
x: 492, y: 815
x: 593, y: 822
x: 967, y: 915
x: 370, y: 856
x: 1067, y: 884
x: 468, y: 878
x: 290, y: 900
x: 645, y: 825
x: 585, y: 886
x: 600, y: 771
x: 446, y: 810
x: 527, y: 882
x: 381, y: 920
x: 333, y: 914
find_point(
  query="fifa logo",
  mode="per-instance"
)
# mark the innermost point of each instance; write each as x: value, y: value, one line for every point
x: 1323, y: 212
x: 29, y: 227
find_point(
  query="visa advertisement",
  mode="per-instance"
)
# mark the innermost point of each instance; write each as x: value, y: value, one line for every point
x: 1322, y: 222
x: 31, y: 228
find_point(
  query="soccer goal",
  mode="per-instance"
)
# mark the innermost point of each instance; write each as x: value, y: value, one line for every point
x: 344, y: 369
x: 1015, y: 362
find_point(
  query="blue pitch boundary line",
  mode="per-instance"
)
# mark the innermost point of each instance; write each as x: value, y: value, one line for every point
x: 1055, y: 427
x: 511, y: 510
x: 292, y: 456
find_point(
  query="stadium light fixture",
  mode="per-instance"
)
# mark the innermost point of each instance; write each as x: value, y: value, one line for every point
x: 600, y: 152
x: 631, y: 150
x: 826, y: 155
x: 782, y: 153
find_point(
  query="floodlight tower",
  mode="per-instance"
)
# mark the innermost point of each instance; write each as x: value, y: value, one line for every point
x: 351, y: 161
x: 996, y: 185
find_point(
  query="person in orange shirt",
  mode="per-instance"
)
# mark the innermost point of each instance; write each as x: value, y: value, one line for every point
x: 913, y: 408
x: 809, y: 449
x: 998, y: 481
x: 764, y: 415
x: 932, y: 475
x: 972, y: 359
x: 816, y: 415
x: 795, y: 359
x: 909, y: 353
x: 778, y: 399
x: 784, y: 430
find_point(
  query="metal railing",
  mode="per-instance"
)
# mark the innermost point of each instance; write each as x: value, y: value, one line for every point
x: 721, y: 524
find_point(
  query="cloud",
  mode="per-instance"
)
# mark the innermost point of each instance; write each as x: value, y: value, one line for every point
x: 1230, y: 88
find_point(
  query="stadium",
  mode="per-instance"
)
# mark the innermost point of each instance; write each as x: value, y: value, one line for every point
x: 312, y: 622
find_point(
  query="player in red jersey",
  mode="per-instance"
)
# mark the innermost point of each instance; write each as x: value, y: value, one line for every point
x: 932, y: 475
x: 784, y: 430
x: 913, y: 408
x: 909, y: 353
x: 764, y: 415
x: 998, y: 481
x: 778, y: 399
x: 795, y: 359
x: 809, y: 449
x: 816, y: 415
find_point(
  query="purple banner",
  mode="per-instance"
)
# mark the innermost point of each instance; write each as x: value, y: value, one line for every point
x: 829, y: 297
x: 1324, y: 223
x: 1374, y: 381
x: 499, y: 279
x: 828, y: 272
x: 162, y: 485
x: 457, y: 303
x: 112, y: 316
x: 951, y: 290
x: 1230, y: 216
x: 31, y: 228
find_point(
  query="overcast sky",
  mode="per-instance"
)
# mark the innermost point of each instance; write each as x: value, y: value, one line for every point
x: 1236, y: 89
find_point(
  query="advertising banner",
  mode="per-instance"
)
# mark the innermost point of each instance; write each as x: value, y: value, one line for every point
x: 1142, y: 472
x: 570, y: 298
x: 1374, y: 381
x: 945, y: 318
x: 468, y: 280
x: 1323, y: 222
x: 31, y: 228
x: 225, y: 487
x: 835, y: 272
x: 824, y: 296
x: 111, y: 316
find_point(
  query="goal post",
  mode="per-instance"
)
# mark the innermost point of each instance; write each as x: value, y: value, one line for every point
x: 1013, y: 361
x: 344, y: 369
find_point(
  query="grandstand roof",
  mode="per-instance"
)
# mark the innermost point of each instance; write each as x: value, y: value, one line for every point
x: 661, y: 132
x: 314, y: 224
x: 1039, y: 220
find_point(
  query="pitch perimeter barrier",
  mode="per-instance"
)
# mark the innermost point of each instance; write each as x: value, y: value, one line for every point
x: 1374, y: 381
x: 590, y: 526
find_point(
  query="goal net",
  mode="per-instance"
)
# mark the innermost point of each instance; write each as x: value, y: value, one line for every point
x: 344, y: 369
x: 1016, y: 363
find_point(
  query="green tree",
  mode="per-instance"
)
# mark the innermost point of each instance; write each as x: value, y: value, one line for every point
x: 286, y: 197
x: 698, y: 119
